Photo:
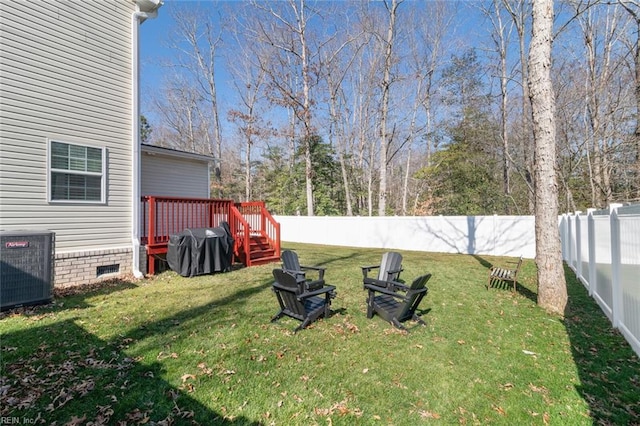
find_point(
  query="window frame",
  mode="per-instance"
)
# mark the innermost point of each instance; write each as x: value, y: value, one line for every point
x: 51, y: 170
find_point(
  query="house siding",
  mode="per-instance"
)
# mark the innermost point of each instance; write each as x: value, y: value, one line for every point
x: 65, y: 70
x: 174, y: 177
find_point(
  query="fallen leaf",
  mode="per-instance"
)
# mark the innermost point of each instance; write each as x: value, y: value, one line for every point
x: 539, y: 389
x: 186, y: 377
x: 428, y: 414
x: 76, y: 421
x: 498, y: 409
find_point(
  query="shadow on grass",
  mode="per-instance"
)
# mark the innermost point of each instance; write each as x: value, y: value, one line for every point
x: 609, y: 370
x: 61, y: 374
x: 161, y: 326
x: 64, y: 374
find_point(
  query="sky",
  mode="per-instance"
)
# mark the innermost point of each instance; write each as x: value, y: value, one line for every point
x: 152, y: 47
x: 154, y: 38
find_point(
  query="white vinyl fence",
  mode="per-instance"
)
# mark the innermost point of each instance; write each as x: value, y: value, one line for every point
x: 489, y: 235
x: 603, y: 248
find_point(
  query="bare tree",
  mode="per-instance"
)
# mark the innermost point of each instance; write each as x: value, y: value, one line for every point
x: 198, y: 39
x: 392, y: 10
x: 501, y: 34
x: 633, y: 8
x: 183, y: 126
x: 552, y: 289
x: 248, y: 81
x: 337, y: 60
x: 427, y: 45
x: 287, y: 34
x: 519, y: 12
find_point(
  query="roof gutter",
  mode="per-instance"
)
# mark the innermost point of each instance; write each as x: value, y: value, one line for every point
x: 144, y: 9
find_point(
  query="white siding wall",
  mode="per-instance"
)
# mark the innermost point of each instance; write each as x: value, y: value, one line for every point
x: 174, y: 177
x: 65, y: 70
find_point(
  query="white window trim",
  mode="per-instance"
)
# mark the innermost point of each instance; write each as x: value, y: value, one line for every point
x: 103, y: 180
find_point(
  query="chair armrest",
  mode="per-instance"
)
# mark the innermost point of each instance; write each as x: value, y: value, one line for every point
x: 392, y: 288
x: 375, y: 287
x: 375, y: 282
x: 299, y: 274
x: 390, y: 285
x: 319, y: 269
x: 367, y: 269
x: 323, y: 290
x: 313, y: 285
x: 283, y: 288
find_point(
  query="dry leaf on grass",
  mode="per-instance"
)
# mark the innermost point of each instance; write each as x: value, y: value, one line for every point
x: 428, y: 414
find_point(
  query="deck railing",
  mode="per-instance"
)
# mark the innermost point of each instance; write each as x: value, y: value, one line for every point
x: 261, y: 223
x: 241, y: 231
x: 162, y: 217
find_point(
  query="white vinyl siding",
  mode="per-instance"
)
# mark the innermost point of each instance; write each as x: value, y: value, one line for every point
x: 65, y: 67
x: 174, y: 177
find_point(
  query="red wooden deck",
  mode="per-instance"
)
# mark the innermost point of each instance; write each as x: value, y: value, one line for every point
x: 256, y: 233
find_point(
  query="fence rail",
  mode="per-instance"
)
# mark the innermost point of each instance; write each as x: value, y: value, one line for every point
x: 603, y: 248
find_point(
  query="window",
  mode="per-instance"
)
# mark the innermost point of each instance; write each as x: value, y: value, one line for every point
x: 77, y: 172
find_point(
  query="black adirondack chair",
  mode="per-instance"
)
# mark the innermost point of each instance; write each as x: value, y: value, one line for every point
x: 388, y: 270
x: 297, y: 302
x: 291, y: 263
x: 396, y: 302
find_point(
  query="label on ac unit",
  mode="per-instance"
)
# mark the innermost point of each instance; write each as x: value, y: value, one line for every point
x: 16, y: 244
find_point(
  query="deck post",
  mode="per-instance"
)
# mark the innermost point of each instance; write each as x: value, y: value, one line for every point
x: 151, y: 238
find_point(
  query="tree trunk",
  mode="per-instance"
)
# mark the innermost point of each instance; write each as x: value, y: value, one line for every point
x: 552, y: 289
x: 386, y: 83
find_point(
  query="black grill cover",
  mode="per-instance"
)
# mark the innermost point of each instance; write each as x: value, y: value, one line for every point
x: 201, y: 251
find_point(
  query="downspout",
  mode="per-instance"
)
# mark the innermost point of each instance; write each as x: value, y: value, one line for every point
x: 136, y: 18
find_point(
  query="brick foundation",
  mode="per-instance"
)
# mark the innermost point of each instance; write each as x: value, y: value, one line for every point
x: 88, y: 267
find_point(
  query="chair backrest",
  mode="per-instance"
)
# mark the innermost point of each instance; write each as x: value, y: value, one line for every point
x: 414, y: 297
x: 286, y: 279
x: 289, y: 299
x: 391, y: 261
x: 290, y: 260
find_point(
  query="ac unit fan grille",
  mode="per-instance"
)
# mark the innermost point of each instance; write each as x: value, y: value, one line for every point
x: 26, y: 268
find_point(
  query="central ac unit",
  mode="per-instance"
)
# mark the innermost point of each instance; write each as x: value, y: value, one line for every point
x: 26, y: 268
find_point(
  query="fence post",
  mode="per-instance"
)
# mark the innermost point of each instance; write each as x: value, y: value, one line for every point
x: 562, y: 226
x: 574, y: 240
x: 579, y: 243
x: 591, y: 236
x: 615, y: 265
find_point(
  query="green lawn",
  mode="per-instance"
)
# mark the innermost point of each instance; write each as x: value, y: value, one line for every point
x: 172, y: 351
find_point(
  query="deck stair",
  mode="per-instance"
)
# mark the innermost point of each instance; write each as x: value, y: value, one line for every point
x: 260, y: 251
